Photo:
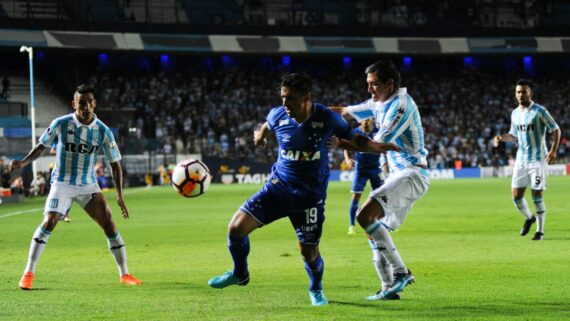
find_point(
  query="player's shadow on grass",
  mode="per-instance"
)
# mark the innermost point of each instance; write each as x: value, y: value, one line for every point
x: 362, y: 304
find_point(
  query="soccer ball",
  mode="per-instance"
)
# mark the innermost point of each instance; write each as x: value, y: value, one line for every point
x: 191, y: 178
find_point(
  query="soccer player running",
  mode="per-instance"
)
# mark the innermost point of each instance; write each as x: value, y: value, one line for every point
x: 297, y: 186
x: 529, y: 123
x: 387, y: 206
x: 79, y: 136
x: 366, y: 168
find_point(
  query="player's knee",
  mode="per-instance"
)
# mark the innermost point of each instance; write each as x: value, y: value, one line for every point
x: 309, y: 252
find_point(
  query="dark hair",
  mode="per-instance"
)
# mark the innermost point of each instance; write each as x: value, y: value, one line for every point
x: 298, y: 82
x: 84, y: 89
x: 525, y: 82
x: 385, y: 70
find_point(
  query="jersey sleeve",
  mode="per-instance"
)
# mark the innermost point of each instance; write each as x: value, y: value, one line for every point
x: 548, y: 120
x: 49, y: 136
x: 110, y: 147
x: 361, y: 111
x: 392, y: 125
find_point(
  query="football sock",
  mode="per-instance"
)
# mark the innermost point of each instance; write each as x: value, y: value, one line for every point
x: 386, y: 245
x: 239, y: 249
x: 540, y: 213
x: 383, y: 268
x: 39, y: 242
x: 352, y: 210
x: 119, y: 252
x: 315, y: 271
x: 522, y: 206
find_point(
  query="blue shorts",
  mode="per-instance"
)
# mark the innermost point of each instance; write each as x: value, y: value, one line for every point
x: 361, y: 177
x: 271, y: 204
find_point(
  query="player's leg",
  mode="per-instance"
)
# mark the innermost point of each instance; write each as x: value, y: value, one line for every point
x: 315, y: 267
x: 358, y: 184
x: 57, y: 206
x: 384, y: 271
x: 520, y: 181
x: 538, y: 174
x: 98, y: 209
x: 352, y: 211
x: 251, y: 215
x: 37, y: 246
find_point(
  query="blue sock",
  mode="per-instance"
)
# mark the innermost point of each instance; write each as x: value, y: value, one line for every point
x: 239, y: 248
x: 315, y: 270
x: 353, y: 209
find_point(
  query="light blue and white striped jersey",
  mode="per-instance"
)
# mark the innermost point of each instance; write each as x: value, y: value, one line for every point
x: 529, y: 125
x: 77, y: 147
x: 400, y: 123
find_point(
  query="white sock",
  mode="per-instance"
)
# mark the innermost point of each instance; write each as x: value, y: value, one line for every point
x: 119, y: 252
x: 522, y: 206
x: 384, y: 242
x: 540, y: 213
x: 383, y: 268
x: 39, y: 242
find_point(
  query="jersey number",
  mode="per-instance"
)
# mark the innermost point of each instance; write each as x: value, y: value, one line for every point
x: 537, y: 180
x: 311, y: 214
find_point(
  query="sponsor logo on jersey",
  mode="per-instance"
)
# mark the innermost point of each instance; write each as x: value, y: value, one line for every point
x: 81, y: 148
x: 525, y: 127
x: 298, y: 155
x: 317, y: 124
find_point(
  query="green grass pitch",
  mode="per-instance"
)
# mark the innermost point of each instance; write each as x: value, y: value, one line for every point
x: 461, y: 241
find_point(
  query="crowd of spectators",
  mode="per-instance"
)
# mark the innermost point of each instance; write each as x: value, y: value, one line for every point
x: 215, y: 112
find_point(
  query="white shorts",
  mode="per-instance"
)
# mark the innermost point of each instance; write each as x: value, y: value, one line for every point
x: 533, y: 174
x: 399, y: 193
x: 61, y: 196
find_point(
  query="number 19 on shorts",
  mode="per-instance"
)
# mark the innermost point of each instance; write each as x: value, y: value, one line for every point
x: 311, y: 215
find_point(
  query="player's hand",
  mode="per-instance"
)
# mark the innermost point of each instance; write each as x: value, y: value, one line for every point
x: 384, y: 147
x: 349, y: 163
x: 332, y: 142
x: 496, y: 140
x: 123, y: 206
x: 551, y: 157
x: 14, y: 164
x: 258, y: 139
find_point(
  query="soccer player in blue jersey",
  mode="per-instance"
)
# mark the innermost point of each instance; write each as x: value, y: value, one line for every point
x: 366, y: 168
x: 529, y: 123
x: 297, y: 186
x: 79, y: 136
x: 385, y: 210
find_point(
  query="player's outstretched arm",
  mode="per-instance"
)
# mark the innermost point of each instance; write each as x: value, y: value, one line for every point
x: 34, y: 154
x: 118, y: 179
x: 260, y: 135
x: 551, y: 157
x: 342, y: 111
x: 362, y: 143
x: 503, y: 138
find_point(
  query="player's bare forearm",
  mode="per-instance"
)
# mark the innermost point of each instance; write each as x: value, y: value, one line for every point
x: 554, y: 148
x: 503, y: 138
x: 362, y: 143
x: 34, y: 154
x: 260, y: 135
x: 117, y: 171
x: 342, y: 111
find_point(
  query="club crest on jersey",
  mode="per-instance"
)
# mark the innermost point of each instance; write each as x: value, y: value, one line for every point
x: 283, y: 122
x: 317, y: 124
x: 298, y: 155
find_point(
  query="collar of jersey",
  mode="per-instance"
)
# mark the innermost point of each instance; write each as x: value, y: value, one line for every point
x: 528, y: 108
x: 400, y: 91
x: 79, y: 124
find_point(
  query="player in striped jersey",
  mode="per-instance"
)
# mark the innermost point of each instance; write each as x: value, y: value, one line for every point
x: 387, y: 206
x: 529, y: 123
x: 79, y: 136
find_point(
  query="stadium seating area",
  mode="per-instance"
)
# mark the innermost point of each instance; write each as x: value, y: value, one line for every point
x: 214, y: 112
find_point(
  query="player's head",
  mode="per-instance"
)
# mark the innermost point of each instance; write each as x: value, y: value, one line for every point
x: 366, y: 125
x: 296, y: 93
x: 383, y: 78
x: 524, y: 92
x: 84, y: 102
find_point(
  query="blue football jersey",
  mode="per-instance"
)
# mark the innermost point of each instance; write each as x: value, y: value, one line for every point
x: 77, y: 148
x: 302, y: 167
x: 367, y: 161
